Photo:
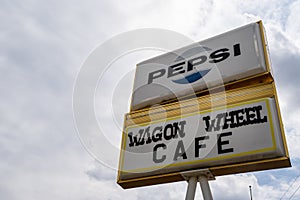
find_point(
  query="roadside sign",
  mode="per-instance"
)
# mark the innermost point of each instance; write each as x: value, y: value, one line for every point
x: 234, y: 130
x: 243, y: 131
x: 228, y: 57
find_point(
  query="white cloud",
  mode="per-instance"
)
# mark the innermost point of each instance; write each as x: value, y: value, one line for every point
x: 292, y: 27
x: 42, y: 47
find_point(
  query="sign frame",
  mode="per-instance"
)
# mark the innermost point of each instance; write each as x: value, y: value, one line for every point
x: 138, y: 102
x: 253, y: 83
x: 197, y: 114
x: 234, y: 96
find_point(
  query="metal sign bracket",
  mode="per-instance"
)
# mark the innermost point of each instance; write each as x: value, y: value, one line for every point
x: 202, y: 176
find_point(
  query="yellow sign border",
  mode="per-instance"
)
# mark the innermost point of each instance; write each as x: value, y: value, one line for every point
x: 207, y: 159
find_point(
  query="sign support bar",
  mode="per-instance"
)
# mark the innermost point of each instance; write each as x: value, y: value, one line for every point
x: 203, y: 176
x: 203, y: 180
x: 191, y: 190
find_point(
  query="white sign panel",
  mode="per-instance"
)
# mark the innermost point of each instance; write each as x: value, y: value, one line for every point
x: 225, y: 58
x: 238, y: 133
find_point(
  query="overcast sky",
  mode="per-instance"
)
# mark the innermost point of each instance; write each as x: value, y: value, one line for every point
x: 43, y: 47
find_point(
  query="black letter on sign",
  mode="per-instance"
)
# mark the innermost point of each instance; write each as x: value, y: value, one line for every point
x: 191, y: 63
x: 179, y: 130
x: 237, y: 49
x: 180, y: 151
x: 221, y: 143
x: 134, y: 140
x: 258, y: 114
x: 176, y: 69
x: 163, y: 158
x: 155, y: 74
x: 171, y: 133
x: 219, y: 55
x: 199, y: 146
x: 210, y: 124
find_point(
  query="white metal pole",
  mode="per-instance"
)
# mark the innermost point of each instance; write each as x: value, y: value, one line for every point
x: 205, y: 187
x: 192, y: 184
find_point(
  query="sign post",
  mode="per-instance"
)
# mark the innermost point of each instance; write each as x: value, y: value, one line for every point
x: 205, y: 187
x: 191, y: 190
x: 202, y: 176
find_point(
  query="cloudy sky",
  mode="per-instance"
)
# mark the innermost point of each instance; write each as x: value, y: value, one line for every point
x: 44, y: 44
